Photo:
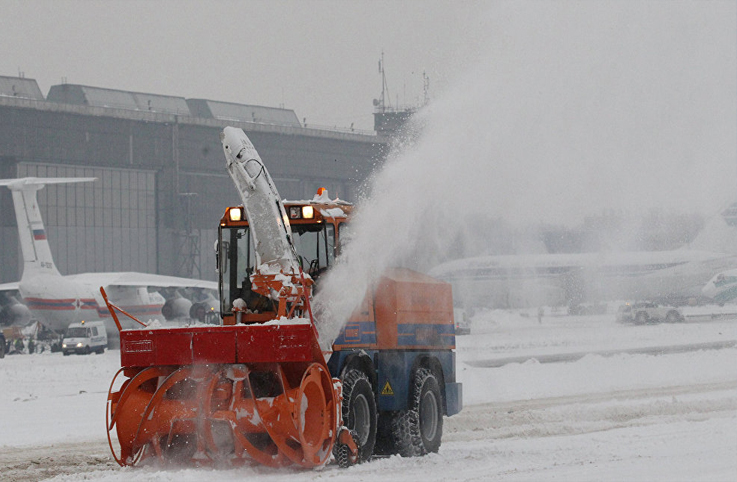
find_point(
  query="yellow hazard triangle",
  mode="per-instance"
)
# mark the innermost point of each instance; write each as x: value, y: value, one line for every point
x: 387, y: 390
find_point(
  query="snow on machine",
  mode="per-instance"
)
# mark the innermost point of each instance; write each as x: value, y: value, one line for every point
x: 258, y: 388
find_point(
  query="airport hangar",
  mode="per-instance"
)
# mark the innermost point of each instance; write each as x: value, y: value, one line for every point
x: 162, y: 185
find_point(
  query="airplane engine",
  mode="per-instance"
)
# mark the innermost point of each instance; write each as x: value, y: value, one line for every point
x: 20, y: 314
x: 15, y: 313
x: 201, y: 309
x: 176, y: 307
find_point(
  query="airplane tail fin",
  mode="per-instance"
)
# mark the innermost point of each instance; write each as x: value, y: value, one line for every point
x: 37, y: 257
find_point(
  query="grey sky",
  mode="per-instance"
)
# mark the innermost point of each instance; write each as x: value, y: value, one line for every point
x: 571, y: 103
x: 319, y: 58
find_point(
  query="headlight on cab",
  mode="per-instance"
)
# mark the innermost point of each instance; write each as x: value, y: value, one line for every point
x: 235, y: 214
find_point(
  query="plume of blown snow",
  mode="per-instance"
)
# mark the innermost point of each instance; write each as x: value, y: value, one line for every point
x: 568, y: 109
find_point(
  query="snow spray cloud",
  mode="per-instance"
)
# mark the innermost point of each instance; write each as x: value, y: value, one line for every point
x: 569, y: 109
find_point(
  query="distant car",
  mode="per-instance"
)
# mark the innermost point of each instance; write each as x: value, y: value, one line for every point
x: 649, y: 312
x: 462, y: 321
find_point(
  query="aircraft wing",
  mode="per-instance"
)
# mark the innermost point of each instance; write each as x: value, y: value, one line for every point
x: 10, y: 287
x: 28, y: 181
x: 140, y: 280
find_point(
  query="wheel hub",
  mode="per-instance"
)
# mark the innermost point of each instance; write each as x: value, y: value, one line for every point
x: 429, y: 416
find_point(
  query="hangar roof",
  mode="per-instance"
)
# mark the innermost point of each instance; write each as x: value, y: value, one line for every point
x: 20, y: 87
x: 242, y: 112
x: 166, y: 104
x: 117, y: 99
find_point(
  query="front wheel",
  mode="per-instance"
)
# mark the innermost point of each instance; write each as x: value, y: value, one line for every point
x: 359, y: 412
x: 672, y: 317
x: 419, y: 429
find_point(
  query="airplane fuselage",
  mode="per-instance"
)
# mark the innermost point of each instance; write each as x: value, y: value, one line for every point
x: 553, y: 280
x: 56, y: 302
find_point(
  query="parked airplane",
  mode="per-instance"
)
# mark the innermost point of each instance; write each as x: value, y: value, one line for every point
x: 564, y: 279
x: 56, y: 300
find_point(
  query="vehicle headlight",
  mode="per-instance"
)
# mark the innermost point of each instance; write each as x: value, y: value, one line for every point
x: 80, y: 345
x: 63, y: 345
x: 235, y: 214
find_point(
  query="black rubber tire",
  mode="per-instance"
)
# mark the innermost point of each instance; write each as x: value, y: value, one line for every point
x: 384, y: 440
x: 419, y: 429
x: 641, y: 318
x: 342, y: 453
x: 359, y: 411
x: 672, y: 317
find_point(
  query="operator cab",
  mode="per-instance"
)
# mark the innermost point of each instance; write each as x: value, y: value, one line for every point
x: 316, y: 229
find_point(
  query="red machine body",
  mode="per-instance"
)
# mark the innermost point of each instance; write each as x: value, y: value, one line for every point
x: 217, y: 344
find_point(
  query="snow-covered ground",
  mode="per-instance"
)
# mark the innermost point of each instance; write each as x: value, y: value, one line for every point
x: 600, y: 417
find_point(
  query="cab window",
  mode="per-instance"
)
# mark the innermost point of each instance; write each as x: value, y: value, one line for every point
x: 315, y: 246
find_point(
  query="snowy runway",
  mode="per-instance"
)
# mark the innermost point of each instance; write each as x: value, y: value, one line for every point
x: 624, y: 416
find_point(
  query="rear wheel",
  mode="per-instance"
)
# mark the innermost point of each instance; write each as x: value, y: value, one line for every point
x: 359, y: 411
x: 419, y: 429
x: 673, y: 317
x: 641, y: 318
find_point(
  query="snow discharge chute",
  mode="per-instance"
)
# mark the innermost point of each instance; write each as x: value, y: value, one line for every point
x: 256, y: 389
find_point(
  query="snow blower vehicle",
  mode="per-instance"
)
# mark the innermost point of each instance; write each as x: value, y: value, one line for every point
x: 258, y: 388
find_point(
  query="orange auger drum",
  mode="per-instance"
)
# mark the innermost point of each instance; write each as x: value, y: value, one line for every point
x: 224, y: 395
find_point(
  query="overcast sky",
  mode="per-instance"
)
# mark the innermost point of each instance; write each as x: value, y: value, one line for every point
x: 576, y: 102
x: 319, y: 58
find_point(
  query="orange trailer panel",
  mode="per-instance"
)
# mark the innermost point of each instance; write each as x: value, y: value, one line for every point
x: 413, y: 310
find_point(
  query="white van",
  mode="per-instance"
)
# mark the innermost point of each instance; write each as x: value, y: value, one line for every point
x: 84, y: 338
